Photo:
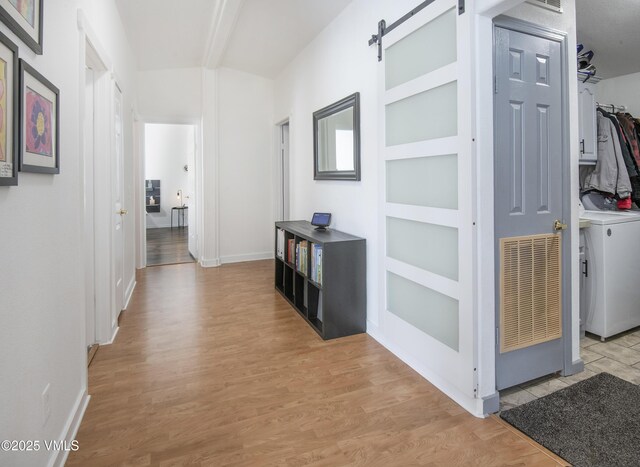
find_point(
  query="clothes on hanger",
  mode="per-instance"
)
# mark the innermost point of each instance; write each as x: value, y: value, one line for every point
x: 611, y: 174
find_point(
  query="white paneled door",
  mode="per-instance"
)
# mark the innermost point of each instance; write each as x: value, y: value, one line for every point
x: 119, y: 212
x: 427, y: 288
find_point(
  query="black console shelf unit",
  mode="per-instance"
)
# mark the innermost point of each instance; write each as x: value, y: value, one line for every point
x: 338, y: 306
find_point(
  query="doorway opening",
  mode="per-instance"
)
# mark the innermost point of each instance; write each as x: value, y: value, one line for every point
x: 169, y: 193
x: 282, y: 166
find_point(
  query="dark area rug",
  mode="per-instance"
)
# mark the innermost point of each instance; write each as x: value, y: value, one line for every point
x: 595, y: 422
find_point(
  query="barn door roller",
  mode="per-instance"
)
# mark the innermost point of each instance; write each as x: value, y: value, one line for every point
x: 383, y: 29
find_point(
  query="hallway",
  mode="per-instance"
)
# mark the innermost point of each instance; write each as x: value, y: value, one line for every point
x: 168, y: 246
x: 213, y: 367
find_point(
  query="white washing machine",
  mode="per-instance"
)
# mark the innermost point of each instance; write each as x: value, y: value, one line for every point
x: 611, y: 272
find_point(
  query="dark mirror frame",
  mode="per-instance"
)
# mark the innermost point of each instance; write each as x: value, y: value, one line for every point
x: 350, y: 101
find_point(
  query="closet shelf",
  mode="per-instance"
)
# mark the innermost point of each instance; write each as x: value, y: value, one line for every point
x: 586, y: 78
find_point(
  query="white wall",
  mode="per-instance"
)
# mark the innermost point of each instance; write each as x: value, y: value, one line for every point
x: 245, y: 133
x: 42, y: 304
x: 171, y: 95
x: 337, y: 63
x: 168, y: 148
x: 621, y: 90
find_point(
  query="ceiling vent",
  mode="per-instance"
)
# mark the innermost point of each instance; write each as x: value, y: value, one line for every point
x: 555, y: 5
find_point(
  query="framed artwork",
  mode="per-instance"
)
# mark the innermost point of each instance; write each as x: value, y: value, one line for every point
x: 24, y: 18
x: 39, y: 122
x: 8, y: 112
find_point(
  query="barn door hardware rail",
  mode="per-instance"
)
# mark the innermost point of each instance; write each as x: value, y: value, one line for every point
x: 383, y: 29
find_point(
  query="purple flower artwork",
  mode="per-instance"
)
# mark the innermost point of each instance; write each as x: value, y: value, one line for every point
x: 38, y: 134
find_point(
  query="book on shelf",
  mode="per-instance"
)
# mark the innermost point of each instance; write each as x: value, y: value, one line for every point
x: 316, y: 263
x: 302, y: 255
x: 280, y: 244
x: 291, y: 250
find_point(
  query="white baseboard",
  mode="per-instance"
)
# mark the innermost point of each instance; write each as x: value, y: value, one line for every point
x: 113, y: 337
x: 471, y: 404
x: 246, y: 257
x: 70, y: 430
x: 209, y: 263
x: 129, y: 293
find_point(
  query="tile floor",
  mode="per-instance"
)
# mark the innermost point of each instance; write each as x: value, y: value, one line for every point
x: 619, y: 356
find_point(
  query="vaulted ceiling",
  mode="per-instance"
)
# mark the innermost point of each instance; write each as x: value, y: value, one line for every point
x: 257, y: 36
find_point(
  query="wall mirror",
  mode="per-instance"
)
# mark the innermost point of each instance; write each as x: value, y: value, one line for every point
x: 336, y: 140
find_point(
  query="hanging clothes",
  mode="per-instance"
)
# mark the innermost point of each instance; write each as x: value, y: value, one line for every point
x: 611, y: 174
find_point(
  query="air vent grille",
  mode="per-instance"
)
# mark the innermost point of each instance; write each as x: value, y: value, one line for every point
x: 555, y: 5
x: 530, y: 291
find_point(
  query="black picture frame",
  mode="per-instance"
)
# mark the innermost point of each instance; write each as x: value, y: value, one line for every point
x: 26, y: 69
x: 25, y: 36
x: 13, y: 114
x: 352, y: 101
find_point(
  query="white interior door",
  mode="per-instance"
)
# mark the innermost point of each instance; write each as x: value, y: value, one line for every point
x: 427, y: 294
x: 119, y: 212
x: 90, y: 305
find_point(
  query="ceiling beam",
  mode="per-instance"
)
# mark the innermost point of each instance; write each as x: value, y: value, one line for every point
x: 223, y: 23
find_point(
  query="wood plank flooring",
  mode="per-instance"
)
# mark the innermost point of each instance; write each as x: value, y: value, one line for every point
x: 168, y: 246
x: 212, y: 367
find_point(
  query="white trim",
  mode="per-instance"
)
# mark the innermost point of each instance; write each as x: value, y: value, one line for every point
x: 246, y: 257
x: 70, y: 430
x: 437, y: 216
x: 423, y: 83
x: 427, y: 279
x: 433, y: 147
x: 485, y: 280
x: 471, y: 404
x: 84, y: 26
x: 129, y: 293
x: 114, y: 334
x: 210, y: 263
x: 97, y: 176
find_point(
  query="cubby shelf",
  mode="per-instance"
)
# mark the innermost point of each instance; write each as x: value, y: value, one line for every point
x: 337, y: 307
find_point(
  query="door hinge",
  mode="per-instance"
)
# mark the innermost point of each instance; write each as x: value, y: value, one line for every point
x: 495, y: 84
x: 460, y: 7
x: 497, y: 337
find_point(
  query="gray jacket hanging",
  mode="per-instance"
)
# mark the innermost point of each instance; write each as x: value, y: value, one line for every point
x: 610, y: 174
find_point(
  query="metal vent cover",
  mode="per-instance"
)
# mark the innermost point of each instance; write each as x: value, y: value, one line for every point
x: 530, y: 290
x: 555, y: 5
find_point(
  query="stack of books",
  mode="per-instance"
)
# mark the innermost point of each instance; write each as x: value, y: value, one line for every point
x: 280, y: 244
x: 316, y: 263
x: 302, y: 253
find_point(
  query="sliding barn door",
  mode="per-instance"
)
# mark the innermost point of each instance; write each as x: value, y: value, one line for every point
x: 427, y: 288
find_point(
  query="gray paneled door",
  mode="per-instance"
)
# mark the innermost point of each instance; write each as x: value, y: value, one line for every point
x: 528, y: 202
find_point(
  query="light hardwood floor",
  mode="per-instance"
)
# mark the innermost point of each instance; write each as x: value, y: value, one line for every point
x: 212, y: 367
x: 168, y: 246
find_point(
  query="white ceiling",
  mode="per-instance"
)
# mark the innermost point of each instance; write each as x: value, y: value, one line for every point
x: 270, y: 33
x: 612, y: 31
x: 257, y: 36
x: 166, y: 33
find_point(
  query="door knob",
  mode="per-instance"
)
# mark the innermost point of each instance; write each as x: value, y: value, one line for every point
x: 557, y: 225
x: 123, y: 212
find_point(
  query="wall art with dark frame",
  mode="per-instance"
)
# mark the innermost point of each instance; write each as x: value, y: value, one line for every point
x: 39, y: 122
x: 9, y: 115
x: 25, y: 18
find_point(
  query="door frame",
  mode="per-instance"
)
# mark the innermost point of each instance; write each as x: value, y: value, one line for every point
x: 96, y: 193
x: 139, y: 180
x: 282, y: 189
x: 570, y: 366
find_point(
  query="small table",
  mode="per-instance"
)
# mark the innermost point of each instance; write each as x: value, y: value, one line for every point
x: 180, y: 210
